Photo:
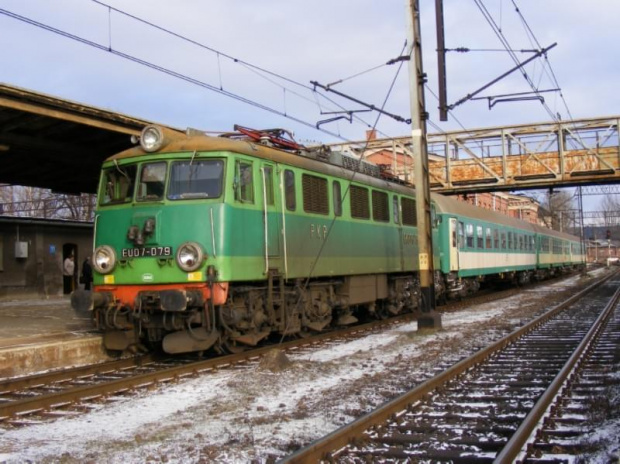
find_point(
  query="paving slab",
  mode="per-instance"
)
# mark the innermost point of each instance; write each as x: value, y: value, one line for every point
x: 42, y: 334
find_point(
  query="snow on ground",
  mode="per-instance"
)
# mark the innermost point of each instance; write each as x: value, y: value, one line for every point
x: 264, y: 411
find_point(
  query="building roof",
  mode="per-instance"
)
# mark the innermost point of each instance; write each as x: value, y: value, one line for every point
x: 53, y: 143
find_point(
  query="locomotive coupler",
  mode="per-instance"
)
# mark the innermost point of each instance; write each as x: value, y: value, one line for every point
x: 170, y: 300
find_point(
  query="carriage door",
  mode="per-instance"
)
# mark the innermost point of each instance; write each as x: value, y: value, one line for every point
x: 271, y: 215
x: 455, y: 237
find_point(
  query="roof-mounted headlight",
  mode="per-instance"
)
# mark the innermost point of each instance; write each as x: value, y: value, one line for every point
x: 152, y: 138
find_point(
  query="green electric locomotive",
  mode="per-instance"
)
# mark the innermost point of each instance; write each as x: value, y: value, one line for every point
x: 219, y: 242
x: 205, y: 242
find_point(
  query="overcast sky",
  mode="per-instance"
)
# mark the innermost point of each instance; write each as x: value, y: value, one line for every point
x: 322, y: 40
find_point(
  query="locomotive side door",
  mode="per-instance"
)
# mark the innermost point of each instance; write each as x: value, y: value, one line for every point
x: 271, y: 214
x: 455, y: 237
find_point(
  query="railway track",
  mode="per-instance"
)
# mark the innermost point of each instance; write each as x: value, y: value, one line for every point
x: 487, y: 407
x: 29, y: 400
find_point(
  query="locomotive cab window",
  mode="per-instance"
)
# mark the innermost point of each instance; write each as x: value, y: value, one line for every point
x: 117, y: 184
x: 191, y: 179
x: 152, y: 182
x: 244, y: 182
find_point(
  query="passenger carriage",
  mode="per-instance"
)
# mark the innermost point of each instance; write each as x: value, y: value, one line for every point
x: 477, y: 244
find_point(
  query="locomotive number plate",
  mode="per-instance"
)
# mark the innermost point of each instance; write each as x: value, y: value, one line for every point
x: 148, y: 252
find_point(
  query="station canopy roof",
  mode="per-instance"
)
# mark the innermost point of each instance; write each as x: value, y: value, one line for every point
x: 57, y: 144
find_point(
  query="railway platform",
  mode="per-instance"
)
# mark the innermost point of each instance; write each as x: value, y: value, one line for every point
x: 42, y: 334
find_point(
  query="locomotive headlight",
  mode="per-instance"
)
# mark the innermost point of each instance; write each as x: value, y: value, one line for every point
x: 152, y: 138
x: 190, y: 256
x: 104, y: 259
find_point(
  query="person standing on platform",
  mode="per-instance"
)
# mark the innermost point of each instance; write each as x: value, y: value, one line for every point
x: 87, y: 274
x: 68, y: 270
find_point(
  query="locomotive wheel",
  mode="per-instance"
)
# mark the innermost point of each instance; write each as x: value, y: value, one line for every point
x: 229, y: 346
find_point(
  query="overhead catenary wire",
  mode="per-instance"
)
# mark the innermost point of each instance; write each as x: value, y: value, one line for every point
x: 258, y: 70
x: 164, y: 70
x: 551, y: 73
x: 502, y: 38
x: 548, y: 70
x: 502, y: 50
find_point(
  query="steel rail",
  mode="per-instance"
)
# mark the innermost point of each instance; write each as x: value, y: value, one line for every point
x: 73, y: 395
x: 515, y: 446
x: 324, y: 448
x: 20, y: 383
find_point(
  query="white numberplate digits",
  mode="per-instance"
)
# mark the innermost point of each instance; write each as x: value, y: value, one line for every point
x: 149, y: 252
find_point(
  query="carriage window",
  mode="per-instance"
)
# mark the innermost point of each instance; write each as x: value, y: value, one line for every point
x: 496, y: 238
x: 117, y: 184
x: 195, y: 179
x: 480, y: 238
x: 152, y: 182
x: 511, y: 243
x: 520, y: 242
x: 315, y: 194
x: 380, y: 206
x: 408, y: 210
x: 289, y: 190
x: 461, y: 236
x: 469, y: 233
x: 337, y: 198
x: 268, y: 173
x: 489, y: 240
x: 503, y: 240
x: 359, y: 203
x: 395, y: 214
